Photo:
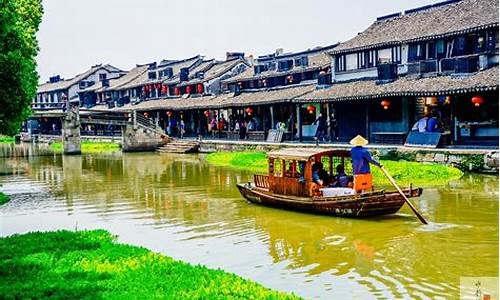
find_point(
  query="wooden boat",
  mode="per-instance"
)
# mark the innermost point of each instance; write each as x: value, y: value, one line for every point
x: 289, y: 185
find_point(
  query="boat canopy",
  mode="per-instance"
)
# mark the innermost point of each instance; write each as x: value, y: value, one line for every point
x: 304, y: 154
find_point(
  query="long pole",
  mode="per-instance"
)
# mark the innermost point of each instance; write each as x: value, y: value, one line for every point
x: 393, y: 182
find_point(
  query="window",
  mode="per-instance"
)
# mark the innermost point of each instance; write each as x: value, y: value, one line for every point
x: 396, y: 54
x: 417, y: 52
x: 340, y: 63
x: 152, y: 75
x: 102, y: 76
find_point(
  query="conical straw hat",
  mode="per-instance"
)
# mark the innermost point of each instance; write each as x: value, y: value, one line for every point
x: 358, y: 141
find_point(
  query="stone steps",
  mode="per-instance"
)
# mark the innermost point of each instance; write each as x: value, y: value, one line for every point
x: 177, y: 146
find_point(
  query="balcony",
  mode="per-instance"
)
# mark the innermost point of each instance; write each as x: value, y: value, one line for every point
x: 461, y: 64
x: 422, y: 67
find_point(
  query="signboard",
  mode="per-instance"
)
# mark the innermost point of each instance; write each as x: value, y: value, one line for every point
x: 274, y: 136
x: 423, y: 139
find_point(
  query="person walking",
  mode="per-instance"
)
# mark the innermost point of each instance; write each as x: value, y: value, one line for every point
x: 182, y: 128
x: 361, y: 160
x: 321, y: 130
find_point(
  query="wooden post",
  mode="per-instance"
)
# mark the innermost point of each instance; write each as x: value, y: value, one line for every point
x: 329, y: 130
x: 271, y: 111
x: 299, y: 123
x: 218, y: 119
x: 367, y: 117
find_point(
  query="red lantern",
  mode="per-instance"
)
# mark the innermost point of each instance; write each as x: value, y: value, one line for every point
x: 385, y: 104
x: 289, y: 78
x: 177, y: 91
x: 144, y: 89
x: 169, y: 113
x: 311, y: 109
x: 146, y: 114
x: 164, y: 90
x: 199, y: 88
x: 206, y: 113
x: 188, y: 89
x: 249, y: 111
x: 477, y: 100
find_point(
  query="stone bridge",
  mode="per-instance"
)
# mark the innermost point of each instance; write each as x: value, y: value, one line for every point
x: 138, y: 132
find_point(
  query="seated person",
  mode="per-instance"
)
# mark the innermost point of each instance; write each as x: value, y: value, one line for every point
x: 319, y: 175
x: 341, y: 179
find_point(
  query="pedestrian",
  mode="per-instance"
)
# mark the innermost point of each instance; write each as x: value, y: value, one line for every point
x: 321, y: 129
x: 361, y: 160
x: 182, y: 128
x: 334, y: 130
x: 243, y: 130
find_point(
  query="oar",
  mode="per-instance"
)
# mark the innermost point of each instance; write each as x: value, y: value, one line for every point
x: 393, y: 182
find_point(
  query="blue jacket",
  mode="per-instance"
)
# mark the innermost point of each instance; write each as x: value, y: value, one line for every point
x: 361, y: 159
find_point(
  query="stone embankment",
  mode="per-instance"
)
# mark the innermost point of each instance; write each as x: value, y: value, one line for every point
x: 472, y: 160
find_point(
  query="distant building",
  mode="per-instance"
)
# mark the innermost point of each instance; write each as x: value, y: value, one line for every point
x: 51, y: 95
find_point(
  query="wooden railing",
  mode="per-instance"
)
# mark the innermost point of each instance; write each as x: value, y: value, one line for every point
x: 261, y: 181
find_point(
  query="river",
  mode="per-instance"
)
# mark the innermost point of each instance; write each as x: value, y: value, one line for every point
x: 181, y: 206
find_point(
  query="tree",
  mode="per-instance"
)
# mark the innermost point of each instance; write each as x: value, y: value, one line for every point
x: 19, y: 22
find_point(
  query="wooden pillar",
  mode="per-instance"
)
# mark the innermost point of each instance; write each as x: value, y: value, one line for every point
x: 299, y: 122
x: 271, y: 112
x: 367, y: 109
x: 329, y: 130
x: 218, y: 119
x: 264, y: 119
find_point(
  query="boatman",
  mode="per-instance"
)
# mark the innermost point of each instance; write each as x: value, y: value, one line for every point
x: 361, y: 160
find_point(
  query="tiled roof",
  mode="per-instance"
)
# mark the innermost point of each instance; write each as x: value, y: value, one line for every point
x: 214, y: 70
x: 65, y: 84
x: 176, y: 67
x: 283, y: 94
x: 431, y: 86
x: 118, y: 82
x: 435, y: 22
x: 316, y: 61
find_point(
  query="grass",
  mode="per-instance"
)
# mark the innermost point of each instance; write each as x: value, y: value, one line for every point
x: 6, y: 139
x: 3, y: 198
x: 404, y: 172
x: 90, y: 147
x: 91, y: 265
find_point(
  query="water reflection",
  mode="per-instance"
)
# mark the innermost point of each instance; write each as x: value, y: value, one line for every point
x: 181, y: 206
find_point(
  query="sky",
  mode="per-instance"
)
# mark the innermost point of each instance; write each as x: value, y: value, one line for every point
x: 74, y: 35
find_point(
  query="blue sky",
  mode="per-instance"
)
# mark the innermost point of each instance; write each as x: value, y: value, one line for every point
x: 77, y: 34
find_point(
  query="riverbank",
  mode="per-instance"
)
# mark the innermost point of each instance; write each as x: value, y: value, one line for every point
x: 6, y: 139
x: 90, y: 264
x: 405, y: 172
x: 90, y: 147
x: 476, y: 160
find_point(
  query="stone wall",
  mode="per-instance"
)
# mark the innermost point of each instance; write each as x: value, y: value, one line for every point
x: 136, y: 138
x: 476, y: 160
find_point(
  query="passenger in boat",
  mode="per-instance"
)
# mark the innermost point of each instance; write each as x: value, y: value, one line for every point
x: 361, y: 160
x: 341, y: 179
x: 319, y: 175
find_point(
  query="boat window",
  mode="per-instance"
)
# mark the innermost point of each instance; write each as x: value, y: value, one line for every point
x: 278, y: 167
x: 291, y: 169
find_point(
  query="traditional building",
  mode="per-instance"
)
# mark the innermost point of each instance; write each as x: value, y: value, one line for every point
x: 56, y: 91
x: 441, y: 58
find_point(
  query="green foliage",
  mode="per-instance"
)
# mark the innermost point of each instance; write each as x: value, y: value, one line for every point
x: 250, y: 161
x: 472, y: 163
x: 90, y: 147
x: 90, y: 265
x: 404, y: 172
x: 19, y: 21
x: 6, y: 139
x: 3, y: 198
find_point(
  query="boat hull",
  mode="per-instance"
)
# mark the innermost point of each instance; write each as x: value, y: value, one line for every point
x: 356, y: 206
